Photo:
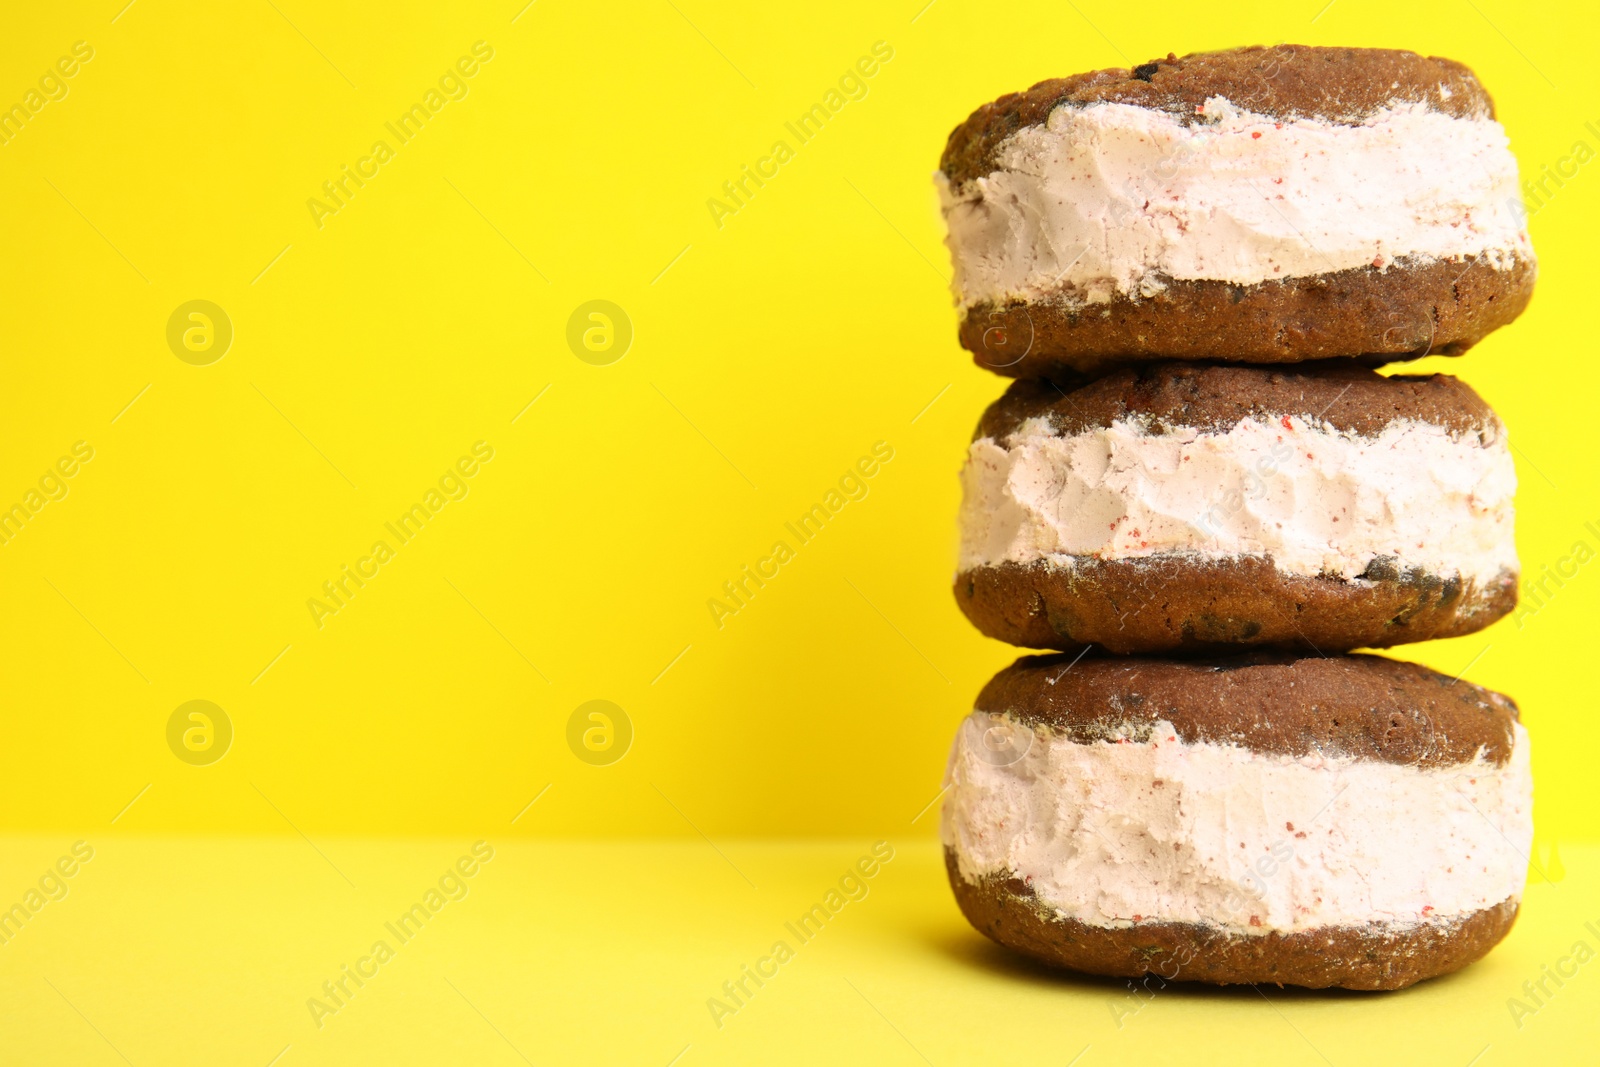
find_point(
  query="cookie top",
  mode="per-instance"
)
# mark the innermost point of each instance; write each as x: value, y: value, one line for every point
x: 1343, y: 85
x: 1340, y: 394
x: 1360, y: 706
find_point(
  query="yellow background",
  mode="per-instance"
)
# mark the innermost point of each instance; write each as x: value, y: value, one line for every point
x: 769, y: 353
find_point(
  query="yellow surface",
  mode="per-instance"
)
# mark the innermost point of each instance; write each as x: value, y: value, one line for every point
x: 192, y: 483
x: 206, y: 951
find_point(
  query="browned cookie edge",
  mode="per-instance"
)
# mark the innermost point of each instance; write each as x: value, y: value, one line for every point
x: 1177, y: 603
x: 1401, y: 312
x: 1340, y: 394
x: 1356, y: 706
x: 1377, y: 956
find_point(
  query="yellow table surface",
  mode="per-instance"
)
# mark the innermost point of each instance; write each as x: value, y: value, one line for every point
x: 207, y: 951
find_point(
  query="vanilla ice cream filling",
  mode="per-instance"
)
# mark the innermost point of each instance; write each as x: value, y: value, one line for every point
x: 1315, y: 500
x: 1113, y: 200
x: 1143, y: 827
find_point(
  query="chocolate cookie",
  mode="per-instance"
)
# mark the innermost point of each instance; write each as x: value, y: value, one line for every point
x: 1349, y: 821
x: 1197, y: 506
x: 1261, y: 205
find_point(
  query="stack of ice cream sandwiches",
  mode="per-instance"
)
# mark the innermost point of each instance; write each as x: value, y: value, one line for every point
x: 1202, y: 496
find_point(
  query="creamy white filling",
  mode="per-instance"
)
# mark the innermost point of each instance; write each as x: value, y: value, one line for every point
x: 1126, y: 830
x: 1313, y: 499
x: 1109, y: 200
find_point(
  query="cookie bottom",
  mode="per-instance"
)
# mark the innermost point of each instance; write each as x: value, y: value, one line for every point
x: 1373, y: 956
x: 1177, y: 603
x: 1442, y: 307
